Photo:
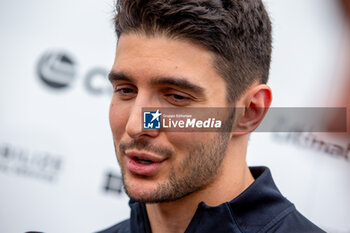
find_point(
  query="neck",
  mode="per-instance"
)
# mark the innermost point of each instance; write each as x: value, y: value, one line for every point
x: 234, y: 178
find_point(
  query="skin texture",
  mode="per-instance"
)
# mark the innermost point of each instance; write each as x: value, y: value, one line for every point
x: 196, y: 166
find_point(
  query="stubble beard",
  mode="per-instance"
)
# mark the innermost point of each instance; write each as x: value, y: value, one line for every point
x: 201, y: 166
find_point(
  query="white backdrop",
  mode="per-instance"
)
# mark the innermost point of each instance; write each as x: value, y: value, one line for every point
x: 58, y: 171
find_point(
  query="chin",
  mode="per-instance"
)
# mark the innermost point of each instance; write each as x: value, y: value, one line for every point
x: 140, y: 196
x: 139, y: 189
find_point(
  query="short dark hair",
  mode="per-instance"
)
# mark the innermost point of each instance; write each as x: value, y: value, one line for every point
x: 238, y: 32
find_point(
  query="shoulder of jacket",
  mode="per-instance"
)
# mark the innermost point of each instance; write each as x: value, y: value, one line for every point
x: 294, y: 222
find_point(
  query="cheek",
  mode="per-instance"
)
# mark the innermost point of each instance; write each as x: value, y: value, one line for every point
x: 183, y: 142
x: 118, y: 118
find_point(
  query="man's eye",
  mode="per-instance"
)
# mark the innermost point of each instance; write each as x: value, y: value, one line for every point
x: 125, y: 92
x: 178, y: 99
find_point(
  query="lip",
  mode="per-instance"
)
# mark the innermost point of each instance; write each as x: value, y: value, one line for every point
x: 143, y: 155
x: 143, y: 169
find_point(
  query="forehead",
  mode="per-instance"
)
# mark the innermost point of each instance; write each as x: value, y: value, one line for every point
x: 145, y: 57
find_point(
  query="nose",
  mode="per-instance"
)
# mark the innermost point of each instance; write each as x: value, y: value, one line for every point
x: 134, y: 127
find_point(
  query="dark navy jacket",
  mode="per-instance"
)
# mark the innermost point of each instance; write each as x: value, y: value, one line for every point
x: 260, y: 208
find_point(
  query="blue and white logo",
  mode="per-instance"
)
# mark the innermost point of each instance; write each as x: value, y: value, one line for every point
x: 151, y: 120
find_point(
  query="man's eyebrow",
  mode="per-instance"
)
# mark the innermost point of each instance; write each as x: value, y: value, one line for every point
x: 116, y: 76
x: 178, y: 82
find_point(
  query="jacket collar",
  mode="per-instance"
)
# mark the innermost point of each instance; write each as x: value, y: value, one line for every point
x: 260, y: 203
x: 256, y: 207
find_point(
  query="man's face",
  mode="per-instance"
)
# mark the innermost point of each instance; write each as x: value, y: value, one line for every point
x: 159, y: 72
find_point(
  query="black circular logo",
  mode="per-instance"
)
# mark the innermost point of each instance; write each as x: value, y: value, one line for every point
x: 57, y: 69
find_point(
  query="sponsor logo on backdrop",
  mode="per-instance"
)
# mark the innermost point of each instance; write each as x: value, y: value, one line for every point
x: 40, y: 165
x: 113, y: 183
x: 317, y: 143
x: 305, y: 128
x: 58, y: 70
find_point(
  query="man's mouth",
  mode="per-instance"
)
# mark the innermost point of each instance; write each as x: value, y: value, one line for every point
x: 142, y: 161
x: 143, y: 164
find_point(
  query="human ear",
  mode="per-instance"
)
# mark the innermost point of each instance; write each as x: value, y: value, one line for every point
x: 251, y: 108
